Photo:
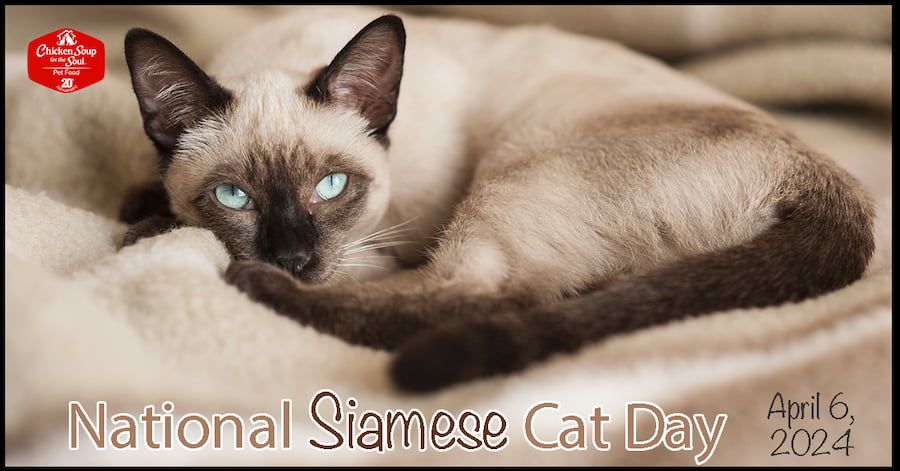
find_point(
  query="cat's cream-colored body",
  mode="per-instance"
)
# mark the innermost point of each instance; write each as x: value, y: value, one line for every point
x: 505, y: 122
x: 550, y: 189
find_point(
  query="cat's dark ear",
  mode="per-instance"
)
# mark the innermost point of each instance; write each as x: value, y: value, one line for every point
x: 172, y: 91
x: 365, y: 75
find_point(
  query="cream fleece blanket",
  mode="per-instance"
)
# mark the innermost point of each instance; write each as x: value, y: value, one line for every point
x: 154, y: 324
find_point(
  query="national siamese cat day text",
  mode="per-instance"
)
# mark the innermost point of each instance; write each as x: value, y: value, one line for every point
x: 478, y: 198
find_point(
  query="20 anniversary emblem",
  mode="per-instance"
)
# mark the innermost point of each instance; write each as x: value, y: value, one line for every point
x: 66, y: 60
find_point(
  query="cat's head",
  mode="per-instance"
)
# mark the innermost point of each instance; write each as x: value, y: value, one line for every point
x: 282, y: 168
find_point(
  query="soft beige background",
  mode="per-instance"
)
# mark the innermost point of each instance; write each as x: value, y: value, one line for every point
x: 154, y: 322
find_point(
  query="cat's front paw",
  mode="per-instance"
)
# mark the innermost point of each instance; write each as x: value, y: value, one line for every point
x: 263, y: 283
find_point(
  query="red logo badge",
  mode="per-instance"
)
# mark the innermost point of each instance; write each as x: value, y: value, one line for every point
x: 66, y: 60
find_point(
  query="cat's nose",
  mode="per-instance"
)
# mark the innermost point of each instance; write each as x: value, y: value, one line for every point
x: 294, y: 263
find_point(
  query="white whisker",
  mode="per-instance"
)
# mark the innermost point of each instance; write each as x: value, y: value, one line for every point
x: 365, y: 257
x: 370, y: 239
x: 340, y: 277
x: 376, y: 236
x: 357, y: 253
x: 382, y: 234
x: 376, y: 246
x: 364, y: 265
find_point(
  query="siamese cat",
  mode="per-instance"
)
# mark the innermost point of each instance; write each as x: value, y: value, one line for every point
x: 531, y: 191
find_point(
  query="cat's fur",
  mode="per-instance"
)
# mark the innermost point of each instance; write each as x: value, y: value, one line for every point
x: 553, y: 189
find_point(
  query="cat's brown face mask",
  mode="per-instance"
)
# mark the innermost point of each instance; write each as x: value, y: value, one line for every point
x: 284, y: 172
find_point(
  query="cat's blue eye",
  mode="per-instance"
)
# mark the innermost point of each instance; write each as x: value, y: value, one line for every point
x: 232, y: 197
x: 332, y: 186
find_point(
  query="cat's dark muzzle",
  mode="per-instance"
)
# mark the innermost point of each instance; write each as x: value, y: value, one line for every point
x: 303, y: 265
x: 295, y: 265
x: 288, y: 238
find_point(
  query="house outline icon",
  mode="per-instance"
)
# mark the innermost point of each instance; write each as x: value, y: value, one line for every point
x: 66, y: 38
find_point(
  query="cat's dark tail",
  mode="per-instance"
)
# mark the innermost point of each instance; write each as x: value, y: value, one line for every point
x: 822, y: 241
